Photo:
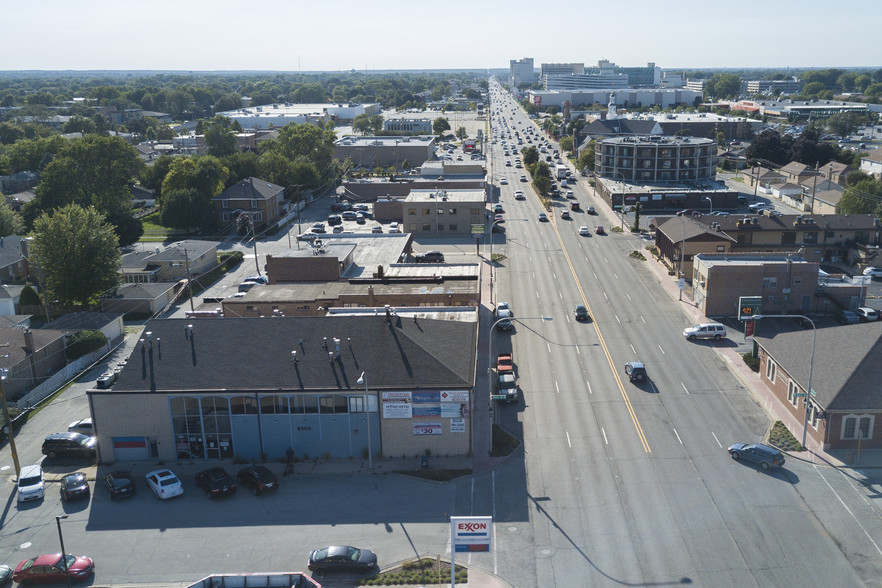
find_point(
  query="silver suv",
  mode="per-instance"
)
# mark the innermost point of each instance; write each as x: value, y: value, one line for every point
x: 714, y: 331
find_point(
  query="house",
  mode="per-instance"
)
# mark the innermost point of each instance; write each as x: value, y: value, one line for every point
x: 681, y: 238
x: 108, y: 323
x: 31, y: 356
x: 845, y: 399
x: 835, y: 172
x: 789, y: 193
x: 18, y: 182
x: 820, y: 195
x: 871, y: 163
x: 168, y: 264
x: 250, y: 203
x: 17, y: 200
x: 335, y: 386
x: 762, y: 179
x: 796, y: 172
x: 14, y: 266
x: 140, y: 298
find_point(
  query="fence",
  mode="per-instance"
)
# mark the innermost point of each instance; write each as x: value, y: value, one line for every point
x: 56, y: 380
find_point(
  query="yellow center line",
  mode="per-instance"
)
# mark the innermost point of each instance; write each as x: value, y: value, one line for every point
x: 609, y: 359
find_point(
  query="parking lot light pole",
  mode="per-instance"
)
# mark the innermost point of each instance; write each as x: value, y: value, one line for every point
x: 363, y: 380
x: 808, y: 392
x: 58, y: 519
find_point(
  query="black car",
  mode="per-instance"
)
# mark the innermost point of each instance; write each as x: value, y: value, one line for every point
x: 764, y: 455
x: 581, y: 313
x: 216, y: 482
x: 259, y: 479
x: 430, y: 257
x: 120, y: 484
x: 342, y: 558
x: 68, y: 445
x: 74, y: 486
x: 335, y: 219
x: 636, y: 371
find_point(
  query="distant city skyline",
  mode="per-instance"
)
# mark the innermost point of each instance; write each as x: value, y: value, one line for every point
x: 343, y: 35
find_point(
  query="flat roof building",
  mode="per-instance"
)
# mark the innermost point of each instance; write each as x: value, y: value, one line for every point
x: 370, y: 152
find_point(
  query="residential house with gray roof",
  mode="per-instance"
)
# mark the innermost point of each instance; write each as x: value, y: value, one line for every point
x: 250, y: 204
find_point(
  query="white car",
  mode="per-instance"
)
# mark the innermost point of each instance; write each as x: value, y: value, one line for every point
x: 393, y: 227
x: 584, y: 231
x: 873, y: 272
x: 165, y: 484
x: 503, y: 181
x: 30, y: 483
x: 83, y: 426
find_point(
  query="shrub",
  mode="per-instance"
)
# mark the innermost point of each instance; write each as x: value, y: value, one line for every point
x: 29, y: 297
x: 83, y: 343
x: 751, y: 360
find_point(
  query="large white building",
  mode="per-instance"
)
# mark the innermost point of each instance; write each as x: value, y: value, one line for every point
x: 626, y: 98
x: 521, y: 71
x: 559, y: 69
x: 417, y: 126
x: 584, y: 81
x: 279, y: 115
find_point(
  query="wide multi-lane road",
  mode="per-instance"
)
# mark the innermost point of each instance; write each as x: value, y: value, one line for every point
x: 629, y: 484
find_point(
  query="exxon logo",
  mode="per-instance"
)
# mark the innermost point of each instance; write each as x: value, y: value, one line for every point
x: 471, y: 527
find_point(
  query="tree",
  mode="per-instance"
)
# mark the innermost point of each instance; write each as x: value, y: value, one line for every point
x: 128, y: 229
x: 812, y: 89
x: 862, y: 197
x: 242, y: 165
x: 529, y: 155
x: 205, y: 174
x: 10, y: 133
x: 723, y: 85
x: 461, y: 133
x: 309, y: 142
x: 586, y: 158
x: 440, y: 124
x: 77, y: 253
x: 185, y: 209
x: 542, y: 183
x: 10, y: 221
x: 361, y: 124
x: 219, y: 136
x: 769, y: 145
x: 80, y: 124
x: 566, y: 143
x: 230, y: 101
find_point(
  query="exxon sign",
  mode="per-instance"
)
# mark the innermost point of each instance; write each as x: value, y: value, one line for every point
x: 471, y: 533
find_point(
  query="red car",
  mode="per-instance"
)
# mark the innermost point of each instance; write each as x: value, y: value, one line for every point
x: 49, y: 569
x: 599, y: 230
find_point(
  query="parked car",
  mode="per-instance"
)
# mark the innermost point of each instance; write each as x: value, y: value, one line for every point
x: 337, y: 230
x: 497, y: 208
x: 873, y: 272
x: 319, y: 228
x: 258, y: 478
x: 50, y: 569
x: 74, y: 486
x: 376, y: 229
x: 867, y: 314
x: 5, y: 575
x: 164, y: 484
x: 714, y: 331
x: 68, y: 445
x: 581, y: 313
x: 246, y: 285
x: 635, y: 371
x: 82, y: 426
x: 30, y: 483
x: 106, y: 380
x: 215, y: 482
x: 341, y: 558
x: 340, y: 206
x: 350, y: 215
x: 335, y: 219
x: 393, y: 227
x: 263, y: 280
x: 847, y: 317
x: 764, y: 455
x: 119, y: 484
x: 430, y: 257
x: 688, y: 212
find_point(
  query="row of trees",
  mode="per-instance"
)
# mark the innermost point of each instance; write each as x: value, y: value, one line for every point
x: 770, y: 145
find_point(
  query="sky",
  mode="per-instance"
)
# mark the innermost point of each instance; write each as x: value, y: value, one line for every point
x: 293, y: 35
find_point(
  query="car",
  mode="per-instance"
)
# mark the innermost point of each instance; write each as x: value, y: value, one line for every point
x: 599, y: 230
x: 497, y: 208
x: 337, y: 230
x: 759, y: 207
x: 74, y: 486
x: 498, y: 218
x: 50, y: 569
x: 764, y: 455
x: 543, y: 218
x: 503, y: 319
x: 507, y: 163
x: 519, y: 195
x: 319, y: 228
x: 430, y: 257
x: 335, y: 219
x: 307, y: 237
x: 341, y: 558
x: 258, y: 478
x: 570, y: 194
x: 83, y: 426
x: 376, y: 229
x: 215, y: 482
x: 5, y: 575
x: 847, y: 317
x: 349, y: 215
x: 340, y: 206
x: 500, y: 306
x: 635, y: 371
x: 688, y: 212
x: 867, y: 314
x: 714, y: 331
x: 68, y: 445
x: 503, y: 181
x: 119, y: 484
x: 106, y: 380
x: 30, y: 483
x: 257, y: 279
x: 164, y: 484
x: 584, y: 231
x: 565, y: 214
x: 360, y: 207
x: 393, y: 227
x: 591, y: 210
x: 246, y: 285
x: 581, y: 313
x: 873, y: 272
x: 720, y: 213
x: 523, y: 178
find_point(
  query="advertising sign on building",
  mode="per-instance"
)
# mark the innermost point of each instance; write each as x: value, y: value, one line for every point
x: 427, y: 428
x: 457, y: 425
x: 449, y: 410
x: 459, y: 396
x: 397, y: 405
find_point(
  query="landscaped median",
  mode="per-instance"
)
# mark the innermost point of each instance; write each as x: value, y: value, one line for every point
x: 419, y: 572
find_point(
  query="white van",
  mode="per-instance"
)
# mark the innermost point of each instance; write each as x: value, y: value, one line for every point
x: 714, y: 331
x: 30, y: 483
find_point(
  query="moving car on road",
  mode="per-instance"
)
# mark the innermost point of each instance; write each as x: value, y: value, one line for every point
x: 764, y: 455
x: 600, y: 230
x: 581, y: 313
x: 635, y: 371
x: 543, y: 218
x: 584, y: 231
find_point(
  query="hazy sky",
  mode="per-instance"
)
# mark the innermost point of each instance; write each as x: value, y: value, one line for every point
x: 341, y: 35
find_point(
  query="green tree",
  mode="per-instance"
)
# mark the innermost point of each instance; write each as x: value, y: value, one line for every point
x: 231, y: 101
x: 566, y: 143
x: 586, y: 157
x: 308, y: 142
x: 439, y: 125
x: 185, y: 209
x: 542, y: 183
x: 10, y: 221
x: 529, y: 155
x: 205, y: 174
x: 862, y: 197
x: 152, y: 176
x: 128, y: 229
x: 723, y: 85
x: 362, y: 124
x: 219, y: 136
x: 461, y: 133
x: 242, y: 165
x: 10, y: 133
x: 77, y: 252
x: 80, y: 124
x: 812, y: 89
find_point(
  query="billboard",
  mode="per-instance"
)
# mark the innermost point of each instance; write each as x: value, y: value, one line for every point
x: 471, y: 534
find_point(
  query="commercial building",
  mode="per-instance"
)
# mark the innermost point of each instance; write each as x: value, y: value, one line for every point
x: 250, y: 388
x: 279, y: 115
x: 624, y: 98
x: 656, y: 159
x: 417, y: 126
x: 696, y: 124
x: 638, y: 77
x: 803, y: 108
x: 791, y: 86
x: 521, y: 71
x: 584, y: 81
x: 560, y: 69
x: 370, y: 152
x: 443, y: 213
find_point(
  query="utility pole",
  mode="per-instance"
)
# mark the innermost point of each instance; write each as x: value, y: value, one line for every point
x: 189, y: 279
x: 4, y: 373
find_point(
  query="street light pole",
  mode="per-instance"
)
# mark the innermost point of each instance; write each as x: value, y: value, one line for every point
x: 682, y: 248
x: 58, y: 519
x: 711, y: 202
x: 808, y: 392
x: 493, y: 224
x: 363, y: 380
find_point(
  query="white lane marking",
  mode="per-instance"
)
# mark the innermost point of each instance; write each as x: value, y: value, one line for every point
x: 587, y: 383
x: 537, y: 293
x: 577, y: 348
x: 717, y: 440
x: 605, y: 440
x: 684, y: 387
x: 548, y: 345
x: 570, y: 445
x: 606, y: 260
x: 642, y: 319
x: 842, y: 502
x: 616, y: 276
x: 619, y: 320
x: 595, y: 276
x: 554, y: 275
x: 605, y: 296
x: 678, y: 436
x: 559, y: 295
x: 556, y: 387
x: 662, y: 350
x: 628, y: 295
x: 634, y: 351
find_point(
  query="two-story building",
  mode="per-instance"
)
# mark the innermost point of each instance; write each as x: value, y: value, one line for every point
x: 250, y: 204
x: 170, y: 263
x: 443, y: 213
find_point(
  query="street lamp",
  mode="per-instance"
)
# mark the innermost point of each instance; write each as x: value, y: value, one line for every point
x: 58, y: 519
x: 682, y: 248
x: 363, y: 380
x: 711, y: 202
x: 808, y: 393
x: 490, y: 345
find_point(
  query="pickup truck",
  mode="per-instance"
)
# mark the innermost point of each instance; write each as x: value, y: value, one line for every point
x: 504, y: 363
x: 506, y: 381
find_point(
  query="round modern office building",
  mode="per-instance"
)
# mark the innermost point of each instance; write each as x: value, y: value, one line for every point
x: 656, y: 160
